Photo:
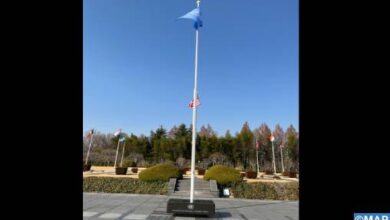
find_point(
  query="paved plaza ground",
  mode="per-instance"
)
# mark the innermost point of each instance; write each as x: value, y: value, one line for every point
x: 134, y: 206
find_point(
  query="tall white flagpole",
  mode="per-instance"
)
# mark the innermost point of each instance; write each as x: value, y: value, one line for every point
x: 123, y: 152
x: 281, y: 155
x: 89, y: 149
x: 194, y: 114
x: 116, y: 155
x: 273, y: 153
x: 257, y: 156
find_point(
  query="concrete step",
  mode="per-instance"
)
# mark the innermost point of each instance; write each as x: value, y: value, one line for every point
x: 196, y: 180
x: 196, y: 194
x: 196, y: 188
x: 197, y: 184
x: 201, y: 187
x: 188, y: 182
x: 183, y: 190
x: 196, y: 191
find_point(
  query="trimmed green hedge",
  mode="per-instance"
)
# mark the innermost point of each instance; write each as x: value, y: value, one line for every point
x: 123, y: 185
x: 224, y: 175
x: 161, y: 172
x: 271, y: 191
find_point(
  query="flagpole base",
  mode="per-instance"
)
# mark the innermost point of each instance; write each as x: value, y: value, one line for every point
x: 184, y: 207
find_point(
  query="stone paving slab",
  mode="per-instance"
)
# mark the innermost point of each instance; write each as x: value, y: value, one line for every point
x: 100, y: 206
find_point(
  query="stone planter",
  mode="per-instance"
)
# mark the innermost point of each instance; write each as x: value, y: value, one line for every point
x: 251, y: 174
x: 134, y: 170
x: 183, y: 171
x: 121, y: 170
x: 201, y: 172
x: 291, y: 174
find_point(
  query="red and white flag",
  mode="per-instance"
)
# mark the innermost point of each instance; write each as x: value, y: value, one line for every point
x: 197, y: 103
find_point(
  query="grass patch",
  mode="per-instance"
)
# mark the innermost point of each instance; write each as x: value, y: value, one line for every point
x: 123, y: 185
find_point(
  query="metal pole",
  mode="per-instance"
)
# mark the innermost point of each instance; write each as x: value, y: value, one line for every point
x: 257, y: 155
x: 89, y: 149
x: 123, y: 153
x: 273, y: 155
x: 116, y: 155
x: 281, y: 154
x: 257, y: 159
x: 194, y: 115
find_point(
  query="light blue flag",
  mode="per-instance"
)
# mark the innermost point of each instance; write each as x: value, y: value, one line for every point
x: 195, y: 16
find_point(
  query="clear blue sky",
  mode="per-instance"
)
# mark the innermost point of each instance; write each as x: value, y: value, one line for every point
x: 138, y: 70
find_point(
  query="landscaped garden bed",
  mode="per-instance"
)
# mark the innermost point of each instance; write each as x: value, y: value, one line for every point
x: 271, y: 191
x: 123, y: 185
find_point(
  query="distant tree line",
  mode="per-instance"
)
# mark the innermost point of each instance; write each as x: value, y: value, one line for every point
x: 238, y: 150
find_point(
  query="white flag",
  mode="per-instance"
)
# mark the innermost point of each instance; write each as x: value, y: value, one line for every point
x: 118, y: 132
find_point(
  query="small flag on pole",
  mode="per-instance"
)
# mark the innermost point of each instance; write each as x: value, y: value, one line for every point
x: 90, y: 133
x: 197, y: 103
x: 195, y: 16
x: 118, y: 132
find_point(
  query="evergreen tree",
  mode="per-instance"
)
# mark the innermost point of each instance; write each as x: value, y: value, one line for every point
x: 292, y: 149
x: 265, y: 153
x: 245, y: 140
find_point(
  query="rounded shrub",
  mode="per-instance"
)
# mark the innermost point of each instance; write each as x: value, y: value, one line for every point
x: 160, y: 172
x: 126, y: 163
x: 223, y: 175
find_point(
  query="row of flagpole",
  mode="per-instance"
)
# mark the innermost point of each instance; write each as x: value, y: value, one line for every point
x: 121, y: 138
